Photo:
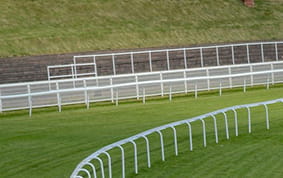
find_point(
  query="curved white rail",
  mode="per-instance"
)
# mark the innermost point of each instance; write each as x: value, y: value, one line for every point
x: 81, y: 167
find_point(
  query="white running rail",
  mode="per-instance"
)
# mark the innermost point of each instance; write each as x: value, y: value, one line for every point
x: 133, y: 89
x: 187, y: 57
x: 73, y: 71
x: 184, y: 53
x: 59, y: 92
x: 86, y: 167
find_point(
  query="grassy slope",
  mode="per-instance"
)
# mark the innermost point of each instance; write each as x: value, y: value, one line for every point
x: 50, y: 144
x: 29, y: 27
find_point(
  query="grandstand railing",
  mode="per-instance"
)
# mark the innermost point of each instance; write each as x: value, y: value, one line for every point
x: 135, y: 89
x: 88, y: 169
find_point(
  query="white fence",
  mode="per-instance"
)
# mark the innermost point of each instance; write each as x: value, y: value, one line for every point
x: 264, y: 56
x: 87, y: 169
x: 111, y: 88
x: 71, y: 71
x: 219, y: 55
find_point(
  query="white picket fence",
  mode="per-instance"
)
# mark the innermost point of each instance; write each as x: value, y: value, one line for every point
x: 111, y: 88
x: 88, y: 169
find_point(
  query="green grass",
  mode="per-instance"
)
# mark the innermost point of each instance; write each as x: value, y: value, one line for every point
x: 31, y: 27
x: 51, y: 144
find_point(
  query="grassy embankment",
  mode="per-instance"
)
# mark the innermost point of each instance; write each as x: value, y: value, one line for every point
x: 33, y: 27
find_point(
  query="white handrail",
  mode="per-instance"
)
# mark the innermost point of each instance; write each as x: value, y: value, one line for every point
x: 7, y: 101
x: 166, y: 52
x: 178, y: 49
x: 139, y: 83
x: 138, y: 74
x: 213, y: 114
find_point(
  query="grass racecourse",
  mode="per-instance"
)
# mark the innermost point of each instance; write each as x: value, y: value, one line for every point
x: 36, y: 27
x: 51, y: 144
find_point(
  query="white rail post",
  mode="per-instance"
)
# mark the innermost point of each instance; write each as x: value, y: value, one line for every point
x: 217, y: 56
x: 236, y: 122
x: 74, y: 67
x: 215, y: 128
x: 208, y: 81
x: 267, y: 83
x: 204, y: 132
x: 272, y: 74
x: 111, y: 90
x: 86, y: 94
x: 113, y: 64
x: 147, y: 151
x: 150, y: 62
x: 276, y: 51
x: 185, y: 82
x: 248, y: 53
x: 196, y: 91
x: 249, y: 120
x: 266, y: 117
x: 168, y: 60
x: 1, y: 106
x: 143, y: 95
x: 230, y: 78
x: 161, y: 145
x: 262, y: 52
x: 170, y: 93
x: 29, y: 100
x: 86, y: 171
x: 132, y: 62
x: 101, y: 167
x: 161, y: 84
x: 185, y: 59
x: 123, y: 161
x: 109, y: 164
x: 137, y: 87
x: 233, y: 54
x: 58, y: 98
x: 220, y: 88
x: 135, y: 156
x: 48, y: 75
x: 95, y: 66
x: 73, y: 76
x: 226, y: 125
x: 117, y: 97
x: 93, y: 169
x: 252, y: 77
x: 201, y: 57
x: 175, y: 140
x: 190, y: 136
x: 244, y: 88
